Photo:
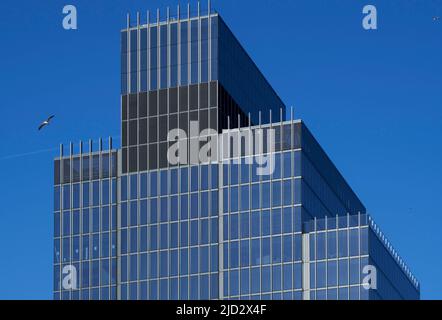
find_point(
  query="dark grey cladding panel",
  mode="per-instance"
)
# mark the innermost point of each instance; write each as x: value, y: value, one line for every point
x: 147, y: 118
x: 85, y: 167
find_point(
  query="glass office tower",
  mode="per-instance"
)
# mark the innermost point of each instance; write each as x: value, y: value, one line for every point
x: 131, y: 224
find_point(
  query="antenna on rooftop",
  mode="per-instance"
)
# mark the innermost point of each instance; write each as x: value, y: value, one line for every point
x: 71, y: 149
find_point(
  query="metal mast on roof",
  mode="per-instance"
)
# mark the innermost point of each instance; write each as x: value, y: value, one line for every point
x: 71, y: 149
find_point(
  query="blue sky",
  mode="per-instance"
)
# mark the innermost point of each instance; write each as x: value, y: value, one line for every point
x: 373, y: 99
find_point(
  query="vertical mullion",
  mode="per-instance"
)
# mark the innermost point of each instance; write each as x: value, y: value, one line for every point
x: 71, y: 195
x: 90, y: 218
x: 209, y: 42
x: 189, y: 168
x: 326, y: 256
x: 80, y: 222
x: 178, y: 249
x: 316, y: 255
x: 168, y: 178
x: 100, y: 208
x: 138, y: 151
x: 149, y: 64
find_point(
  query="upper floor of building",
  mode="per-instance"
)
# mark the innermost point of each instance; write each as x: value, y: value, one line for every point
x: 189, y: 49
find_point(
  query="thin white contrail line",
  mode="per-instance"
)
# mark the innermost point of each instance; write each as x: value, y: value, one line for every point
x: 19, y: 155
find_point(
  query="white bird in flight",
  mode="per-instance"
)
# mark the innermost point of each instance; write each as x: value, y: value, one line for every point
x: 45, y: 123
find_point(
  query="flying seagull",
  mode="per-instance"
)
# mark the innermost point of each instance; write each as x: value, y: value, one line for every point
x: 45, y: 123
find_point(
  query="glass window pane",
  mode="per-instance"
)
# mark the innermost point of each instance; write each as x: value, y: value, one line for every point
x: 364, y: 241
x: 342, y: 243
x: 265, y: 222
x: 354, y: 242
x: 276, y: 221
x: 265, y: 279
x: 276, y: 249
x: 343, y: 272
x: 244, y: 198
x: 332, y: 273
x: 265, y: 251
x: 320, y: 245
x: 256, y: 252
x: 331, y: 244
x: 287, y: 277
x: 255, y: 223
x: 354, y: 270
x: 287, y: 248
x: 320, y: 274
x: 276, y: 278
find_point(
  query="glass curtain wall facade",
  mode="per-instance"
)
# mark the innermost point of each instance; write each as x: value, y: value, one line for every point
x: 338, y: 250
x: 131, y: 225
x: 85, y: 224
x: 185, y: 69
